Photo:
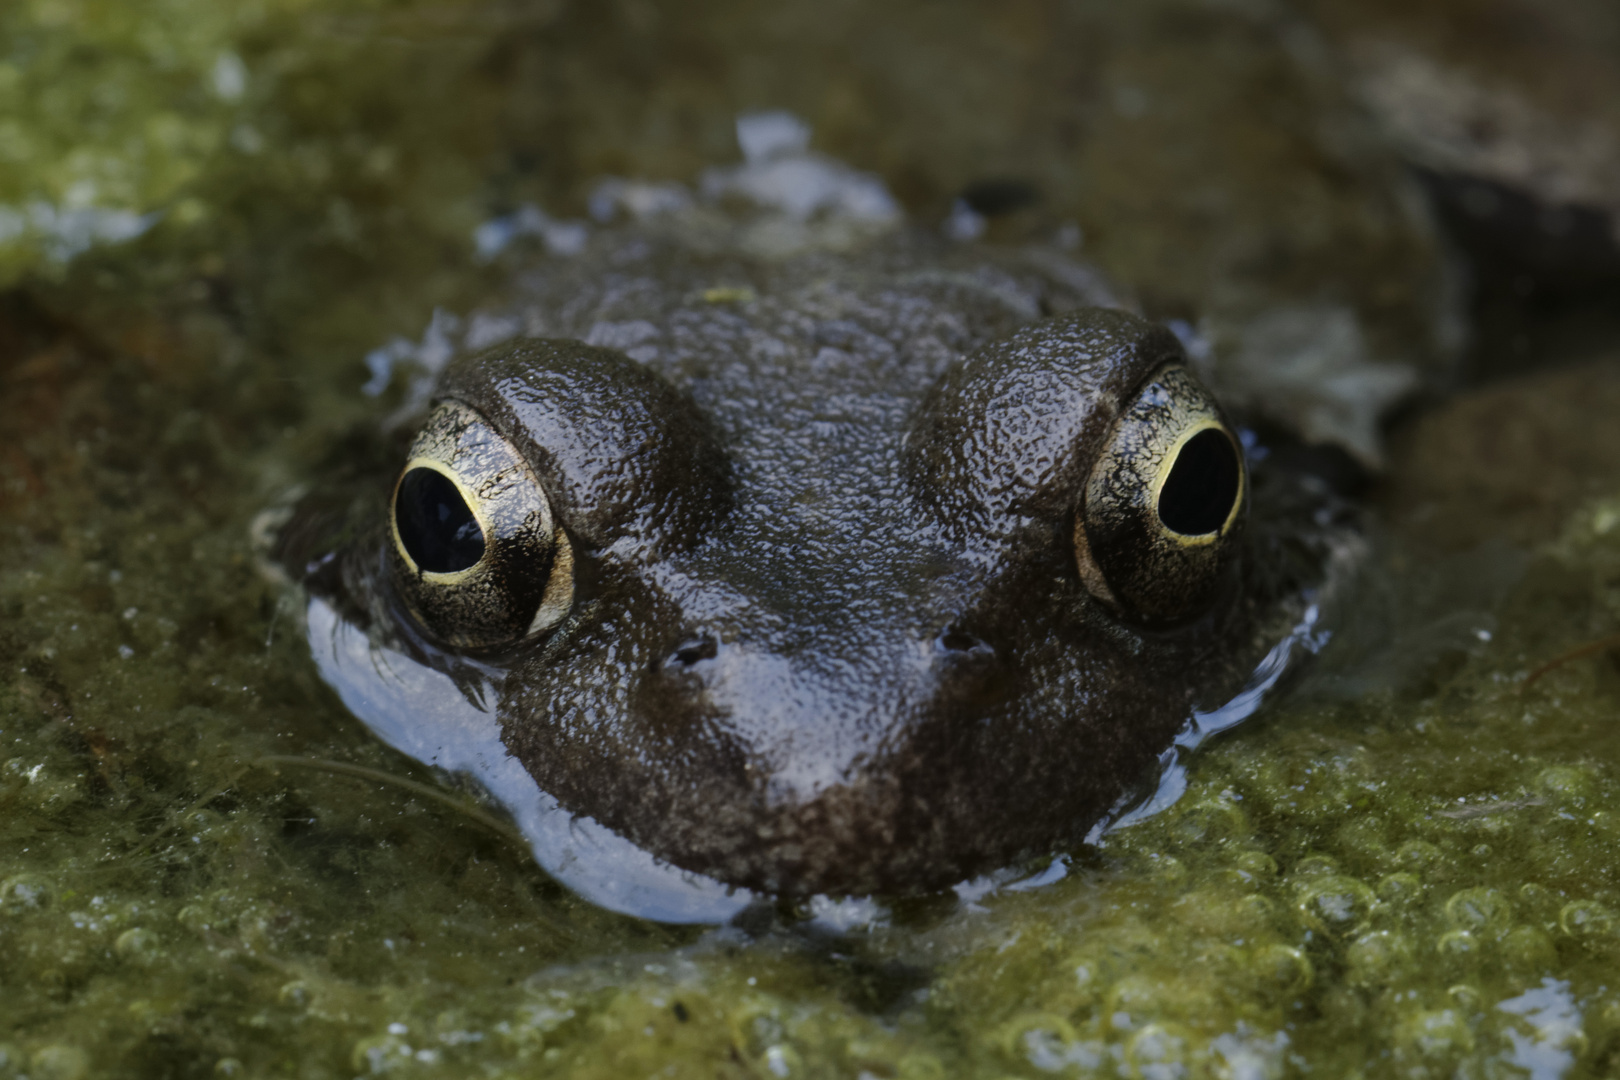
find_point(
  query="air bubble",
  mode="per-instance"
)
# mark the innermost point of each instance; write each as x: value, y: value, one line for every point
x: 139, y: 946
x: 1586, y: 920
x: 1479, y: 910
x: 1336, y: 904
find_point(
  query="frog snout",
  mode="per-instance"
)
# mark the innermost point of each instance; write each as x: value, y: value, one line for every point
x: 827, y: 758
x: 806, y: 704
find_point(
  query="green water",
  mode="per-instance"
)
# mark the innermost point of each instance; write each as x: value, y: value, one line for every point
x: 1404, y: 867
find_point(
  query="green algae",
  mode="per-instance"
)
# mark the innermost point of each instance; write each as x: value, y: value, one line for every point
x: 1388, y: 873
x: 121, y: 116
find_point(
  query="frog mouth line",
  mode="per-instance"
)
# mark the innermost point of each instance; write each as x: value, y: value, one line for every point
x: 384, y: 687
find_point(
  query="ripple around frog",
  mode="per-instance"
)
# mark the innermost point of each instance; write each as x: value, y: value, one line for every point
x: 424, y: 713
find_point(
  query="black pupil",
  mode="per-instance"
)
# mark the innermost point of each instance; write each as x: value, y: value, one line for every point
x: 437, y: 529
x: 1198, y: 494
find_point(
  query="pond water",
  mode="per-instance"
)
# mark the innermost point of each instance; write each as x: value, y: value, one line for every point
x: 211, y: 215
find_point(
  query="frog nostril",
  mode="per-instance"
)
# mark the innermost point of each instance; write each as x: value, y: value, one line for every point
x: 692, y: 650
x: 959, y: 641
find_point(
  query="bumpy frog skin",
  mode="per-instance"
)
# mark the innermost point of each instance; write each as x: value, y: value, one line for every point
x: 867, y: 572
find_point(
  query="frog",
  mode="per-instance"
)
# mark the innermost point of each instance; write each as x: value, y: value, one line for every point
x: 840, y: 573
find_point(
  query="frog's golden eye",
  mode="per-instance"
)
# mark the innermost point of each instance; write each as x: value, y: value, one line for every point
x: 1158, y: 521
x: 476, y: 555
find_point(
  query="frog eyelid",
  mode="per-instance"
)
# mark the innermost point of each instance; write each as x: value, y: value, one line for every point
x: 620, y: 451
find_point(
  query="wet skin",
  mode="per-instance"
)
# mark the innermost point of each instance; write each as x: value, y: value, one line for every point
x: 871, y: 580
